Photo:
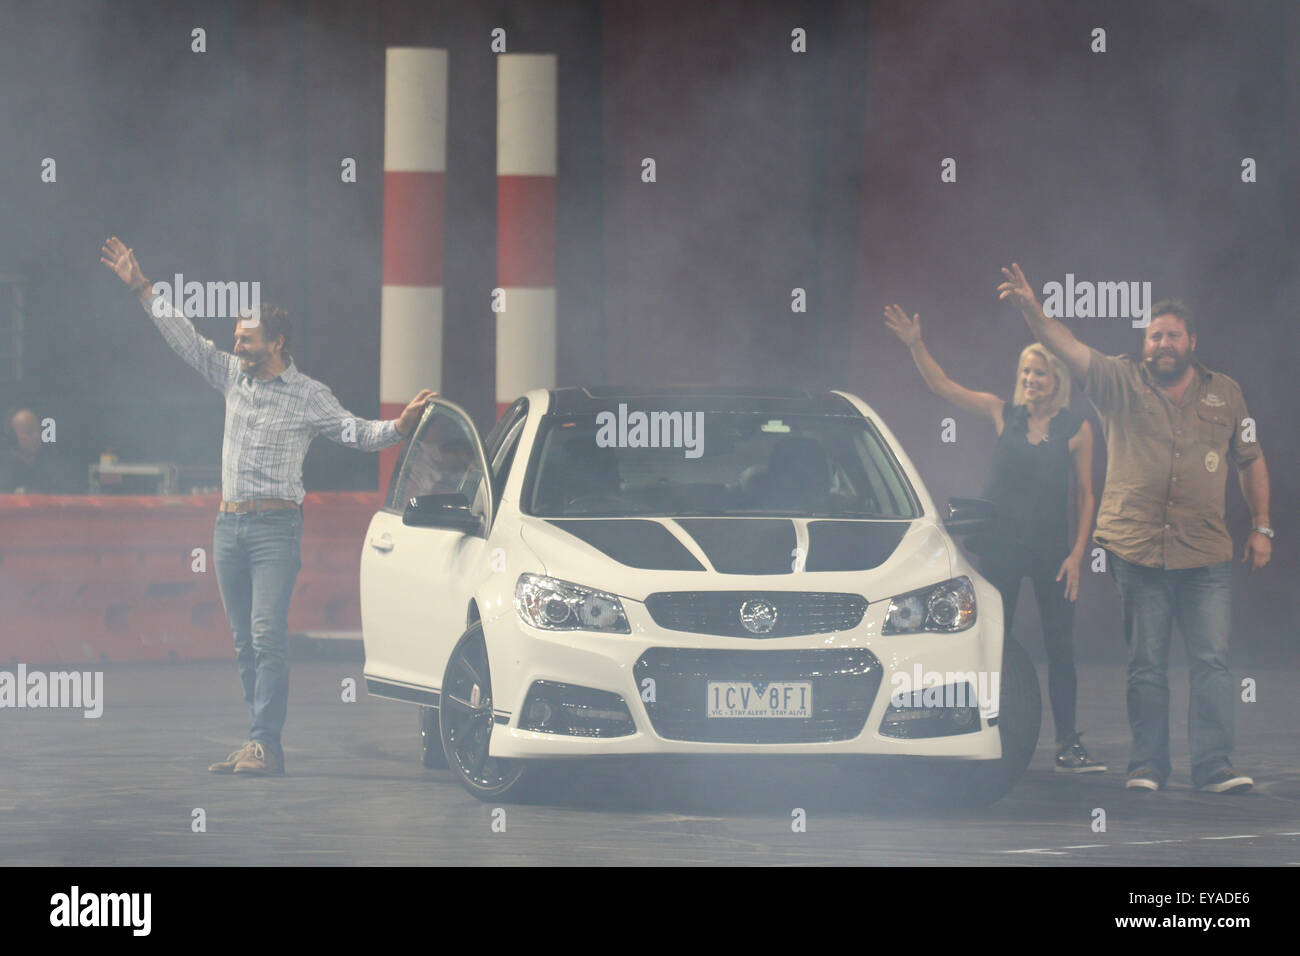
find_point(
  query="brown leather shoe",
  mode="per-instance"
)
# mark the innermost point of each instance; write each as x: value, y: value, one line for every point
x: 228, y: 765
x: 260, y: 760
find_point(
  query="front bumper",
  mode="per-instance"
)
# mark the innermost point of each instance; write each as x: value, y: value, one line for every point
x: 854, y: 674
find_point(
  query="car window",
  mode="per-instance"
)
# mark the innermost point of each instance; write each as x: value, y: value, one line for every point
x: 885, y: 481
x: 442, y: 459
x: 729, y: 464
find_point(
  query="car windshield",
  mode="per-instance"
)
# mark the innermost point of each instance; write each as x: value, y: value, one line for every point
x: 720, y: 463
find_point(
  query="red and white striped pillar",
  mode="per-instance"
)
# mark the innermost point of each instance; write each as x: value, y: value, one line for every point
x: 415, y: 161
x: 526, y: 167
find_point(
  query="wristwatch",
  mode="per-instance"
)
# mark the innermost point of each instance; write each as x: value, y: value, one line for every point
x: 1266, y: 532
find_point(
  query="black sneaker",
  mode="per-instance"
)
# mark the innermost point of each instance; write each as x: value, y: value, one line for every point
x: 1073, y: 758
x: 1143, y: 778
x: 1227, y: 780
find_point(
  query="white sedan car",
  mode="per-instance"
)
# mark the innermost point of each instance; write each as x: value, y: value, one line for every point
x: 686, y: 571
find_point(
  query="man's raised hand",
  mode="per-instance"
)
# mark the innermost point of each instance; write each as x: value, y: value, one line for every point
x: 121, y: 260
x: 410, y: 416
x: 1016, y: 289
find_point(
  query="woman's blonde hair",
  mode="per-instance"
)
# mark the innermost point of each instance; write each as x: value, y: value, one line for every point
x: 1061, y: 397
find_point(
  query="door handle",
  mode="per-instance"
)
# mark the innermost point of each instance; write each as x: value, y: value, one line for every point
x: 383, y: 543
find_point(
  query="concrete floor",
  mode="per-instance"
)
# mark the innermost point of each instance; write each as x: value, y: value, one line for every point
x: 121, y: 790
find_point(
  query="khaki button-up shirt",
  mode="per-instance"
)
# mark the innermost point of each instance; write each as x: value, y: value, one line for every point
x: 1167, y: 464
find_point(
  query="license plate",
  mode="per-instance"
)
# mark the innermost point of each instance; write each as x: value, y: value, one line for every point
x: 758, y: 699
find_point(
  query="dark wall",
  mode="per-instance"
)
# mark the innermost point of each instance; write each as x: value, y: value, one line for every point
x: 758, y: 156
x: 775, y: 170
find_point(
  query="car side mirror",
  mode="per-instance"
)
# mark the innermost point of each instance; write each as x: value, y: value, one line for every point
x: 970, y: 516
x: 450, y: 511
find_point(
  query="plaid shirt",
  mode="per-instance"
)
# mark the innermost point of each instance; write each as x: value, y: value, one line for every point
x: 270, y: 423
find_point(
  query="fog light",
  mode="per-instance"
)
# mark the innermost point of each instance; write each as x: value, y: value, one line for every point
x: 935, y: 712
x: 962, y: 716
x: 555, y: 708
x: 539, y: 713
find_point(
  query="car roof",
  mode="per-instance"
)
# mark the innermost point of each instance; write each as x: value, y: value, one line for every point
x: 591, y: 399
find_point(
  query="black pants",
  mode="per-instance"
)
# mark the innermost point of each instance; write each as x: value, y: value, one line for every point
x: 1004, y: 571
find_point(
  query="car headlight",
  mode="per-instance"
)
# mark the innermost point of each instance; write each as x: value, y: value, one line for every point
x: 949, y: 606
x: 552, y: 605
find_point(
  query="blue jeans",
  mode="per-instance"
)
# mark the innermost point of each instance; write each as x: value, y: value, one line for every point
x: 258, y: 556
x: 1199, y: 600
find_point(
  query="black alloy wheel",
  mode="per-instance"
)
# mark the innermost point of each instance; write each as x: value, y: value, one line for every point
x: 466, y: 722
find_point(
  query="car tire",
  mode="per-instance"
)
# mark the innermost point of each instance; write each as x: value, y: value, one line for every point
x: 431, y: 755
x: 466, y: 723
x: 1020, y: 717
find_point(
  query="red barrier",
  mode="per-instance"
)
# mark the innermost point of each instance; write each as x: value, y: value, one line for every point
x: 110, y: 578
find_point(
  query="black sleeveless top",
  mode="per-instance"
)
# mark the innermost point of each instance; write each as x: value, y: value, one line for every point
x: 1030, y: 485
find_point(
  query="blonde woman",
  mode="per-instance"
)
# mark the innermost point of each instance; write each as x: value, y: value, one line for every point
x: 1039, y: 443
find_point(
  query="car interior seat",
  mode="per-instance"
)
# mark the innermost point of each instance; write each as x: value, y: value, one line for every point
x: 798, y: 477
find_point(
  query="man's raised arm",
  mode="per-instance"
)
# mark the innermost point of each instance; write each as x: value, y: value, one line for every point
x: 1049, y: 331
x: 329, y: 418
x: 215, y: 366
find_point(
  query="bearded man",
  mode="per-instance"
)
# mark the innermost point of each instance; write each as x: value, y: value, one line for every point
x: 1171, y: 427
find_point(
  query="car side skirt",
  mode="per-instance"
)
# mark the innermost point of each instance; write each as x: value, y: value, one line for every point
x: 397, y: 690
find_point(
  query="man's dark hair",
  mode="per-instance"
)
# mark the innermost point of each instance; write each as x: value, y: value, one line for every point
x: 1174, y: 307
x: 276, y: 322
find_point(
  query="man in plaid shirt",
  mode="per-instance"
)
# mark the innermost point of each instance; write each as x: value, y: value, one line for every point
x: 273, y: 411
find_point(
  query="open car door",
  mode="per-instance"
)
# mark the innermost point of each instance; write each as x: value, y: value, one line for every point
x: 422, y: 554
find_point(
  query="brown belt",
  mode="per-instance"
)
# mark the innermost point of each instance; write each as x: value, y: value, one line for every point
x: 256, y: 504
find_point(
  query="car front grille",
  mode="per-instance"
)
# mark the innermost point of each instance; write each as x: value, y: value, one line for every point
x: 844, y: 684
x: 719, y: 612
